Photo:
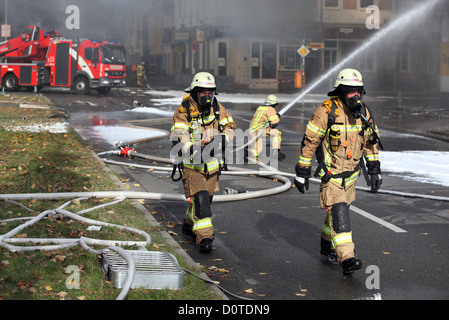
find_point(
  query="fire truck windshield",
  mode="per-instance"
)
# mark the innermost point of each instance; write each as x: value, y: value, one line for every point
x: 113, y: 54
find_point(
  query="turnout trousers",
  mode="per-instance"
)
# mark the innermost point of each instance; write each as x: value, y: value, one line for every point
x: 273, y: 138
x: 336, y: 233
x: 200, y: 188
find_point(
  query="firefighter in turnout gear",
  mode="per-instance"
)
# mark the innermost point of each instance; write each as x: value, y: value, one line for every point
x: 140, y: 73
x: 342, y: 134
x: 266, y: 114
x: 201, y: 128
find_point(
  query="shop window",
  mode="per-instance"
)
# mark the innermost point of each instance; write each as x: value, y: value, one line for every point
x: 331, y: 3
x: 289, y: 59
x: 366, y: 3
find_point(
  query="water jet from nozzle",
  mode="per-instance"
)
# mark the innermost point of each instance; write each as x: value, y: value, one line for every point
x: 404, y: 19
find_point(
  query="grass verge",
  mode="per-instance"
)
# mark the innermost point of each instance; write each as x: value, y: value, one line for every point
x: 41, y: 162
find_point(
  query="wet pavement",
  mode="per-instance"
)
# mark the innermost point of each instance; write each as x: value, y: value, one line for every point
x: 268, y: 248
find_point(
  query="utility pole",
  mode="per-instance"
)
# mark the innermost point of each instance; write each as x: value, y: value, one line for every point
x: 6, y: 15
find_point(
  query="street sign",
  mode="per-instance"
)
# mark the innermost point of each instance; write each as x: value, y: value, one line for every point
x: 315, y: 46
x: 195, y: 45
x: 303, y: 51
x: 6, y: 30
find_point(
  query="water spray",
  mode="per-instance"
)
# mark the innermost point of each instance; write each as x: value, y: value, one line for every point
x: 402, y: 20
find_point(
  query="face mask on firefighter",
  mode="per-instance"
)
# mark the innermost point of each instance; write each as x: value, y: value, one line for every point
x: 353, y: 99
x: 205, y: 98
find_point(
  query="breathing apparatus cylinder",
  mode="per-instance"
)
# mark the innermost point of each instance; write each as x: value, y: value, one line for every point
x: 196, y: 148
x: 334, y: 137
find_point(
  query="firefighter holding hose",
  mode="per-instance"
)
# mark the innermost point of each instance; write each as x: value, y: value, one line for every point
x: 201, y: 128
x: 266, y: 114
x: 342, y: 134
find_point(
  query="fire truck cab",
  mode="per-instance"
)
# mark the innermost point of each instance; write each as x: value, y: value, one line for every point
x: 39, y: 59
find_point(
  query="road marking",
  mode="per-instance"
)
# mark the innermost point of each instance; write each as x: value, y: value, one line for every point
x: 376, y: 219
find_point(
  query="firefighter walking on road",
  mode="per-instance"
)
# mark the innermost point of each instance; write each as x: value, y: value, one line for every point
x: 140, y: 70
x: 266, y: 114
x: 343, y: 135
x: 201, y: 128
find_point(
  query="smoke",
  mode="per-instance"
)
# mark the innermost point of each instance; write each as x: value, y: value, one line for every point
x: 98, y: 19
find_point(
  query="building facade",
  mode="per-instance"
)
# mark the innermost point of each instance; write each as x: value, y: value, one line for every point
x: 253, y: 44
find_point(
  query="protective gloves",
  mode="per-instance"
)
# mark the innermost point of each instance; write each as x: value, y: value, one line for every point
x: 302, y: 178
x: 376, y: 181
x: 375, y: 177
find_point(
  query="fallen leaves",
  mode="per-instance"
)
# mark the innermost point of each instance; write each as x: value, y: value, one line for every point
x: 302, y: 292
x: 214, y: 268
x: 59, y: 258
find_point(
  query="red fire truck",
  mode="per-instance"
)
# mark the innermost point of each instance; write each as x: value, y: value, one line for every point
x: 38, y: 59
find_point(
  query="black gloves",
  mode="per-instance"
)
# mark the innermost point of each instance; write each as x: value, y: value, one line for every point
x: 375, y: 177
x: 302, y: 178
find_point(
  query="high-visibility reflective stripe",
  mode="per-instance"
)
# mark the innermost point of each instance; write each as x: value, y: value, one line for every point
x: 352, y: 179
x: 187, y: 146
x: 372, y: 157
x: 202, y: 224
x: 273, y: 117
x: 305, y: 161
x: 315, y: 129
x: 211, y: 166
x: 357, y: 127
x: 194, y: 167
x: 180, y: 125
x: 348, y: 181
x: 342, y: 238
x: 214, y: 165
x: 257, y: 123
x: 328, y: 160
x: 327, y: 230
x: 226, y: 121
x: 256, y: 127
x: 190, y: 209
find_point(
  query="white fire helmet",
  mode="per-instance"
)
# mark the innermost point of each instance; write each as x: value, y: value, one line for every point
x: 203, y: 80
x: 271, y: 100
x: 349, y: 77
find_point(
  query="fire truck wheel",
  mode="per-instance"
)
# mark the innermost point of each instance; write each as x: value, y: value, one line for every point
x: 81, y: 86
x: 10, y: 82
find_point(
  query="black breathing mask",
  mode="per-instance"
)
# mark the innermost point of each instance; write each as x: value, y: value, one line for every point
x: 354, y: 103
x: 206, y: 101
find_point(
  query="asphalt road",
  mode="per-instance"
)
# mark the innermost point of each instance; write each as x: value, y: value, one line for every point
x: 268, y: 248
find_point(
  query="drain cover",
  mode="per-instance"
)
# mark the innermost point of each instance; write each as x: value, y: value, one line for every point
x: 153, y: 269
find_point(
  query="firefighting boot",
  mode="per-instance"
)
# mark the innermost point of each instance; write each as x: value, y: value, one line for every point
x: 187, y: 230
x: 281, y: 155
x: 331, y: 256
x: 350, y: 265
x: 327, y: 251
x: 205, y: 245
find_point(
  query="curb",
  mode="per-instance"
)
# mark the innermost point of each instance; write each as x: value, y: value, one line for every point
x: 167, y: 238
